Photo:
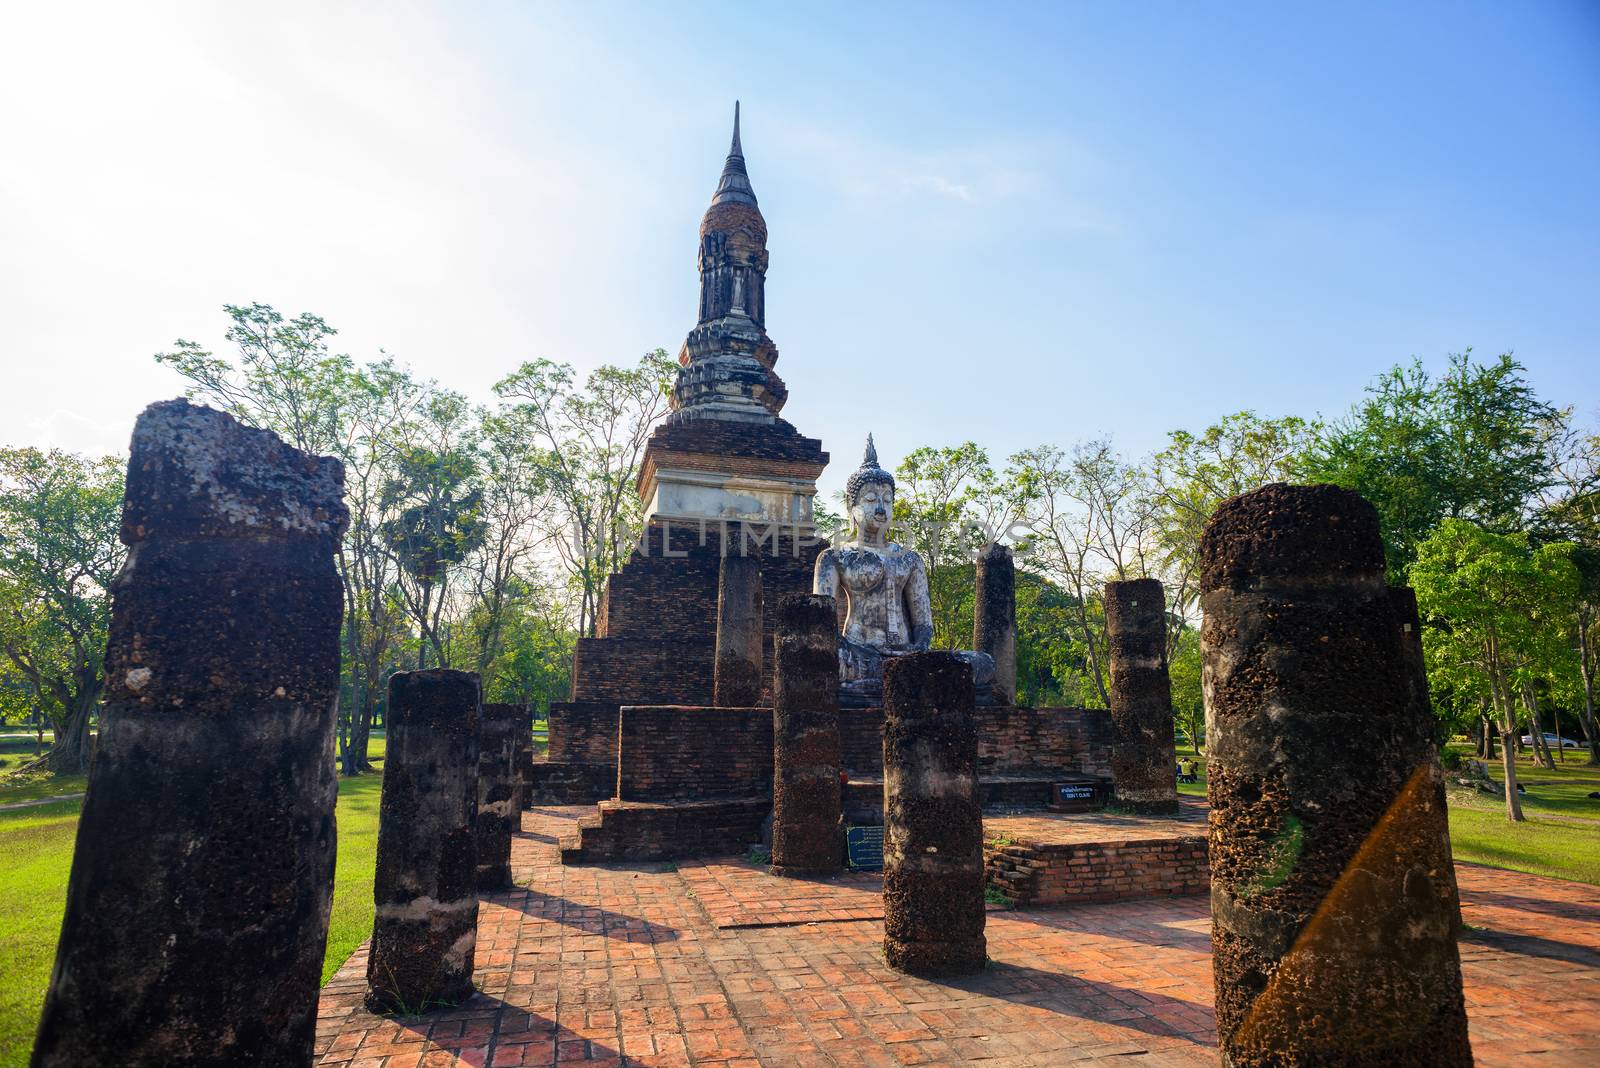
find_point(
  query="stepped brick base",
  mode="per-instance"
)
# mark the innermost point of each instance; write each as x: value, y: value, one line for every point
x: 641, y: 830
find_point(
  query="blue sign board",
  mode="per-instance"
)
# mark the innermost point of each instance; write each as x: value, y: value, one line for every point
x: 865, y: 847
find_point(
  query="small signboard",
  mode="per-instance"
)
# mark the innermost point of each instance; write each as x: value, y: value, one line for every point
x: 1077, y: 796
x: 865, y: 847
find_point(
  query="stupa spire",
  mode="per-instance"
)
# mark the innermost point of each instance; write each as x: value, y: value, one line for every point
x: 734, y: 187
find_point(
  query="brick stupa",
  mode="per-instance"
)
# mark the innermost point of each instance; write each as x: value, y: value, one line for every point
x: 723, y: 474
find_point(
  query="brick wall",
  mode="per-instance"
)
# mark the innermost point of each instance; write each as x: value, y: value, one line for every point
x: 658, y: 617
x: 1011, y: 740
x: 583, y: 732
x: 1031, y: 874
x: 641, y: 671
x: 1015, y: 740
x: 684, y: 753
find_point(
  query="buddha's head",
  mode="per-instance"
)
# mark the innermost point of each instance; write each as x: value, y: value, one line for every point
x: 870, y: 497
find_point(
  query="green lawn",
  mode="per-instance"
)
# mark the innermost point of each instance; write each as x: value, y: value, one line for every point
x: 37, y: 844
x: 1552, y: 841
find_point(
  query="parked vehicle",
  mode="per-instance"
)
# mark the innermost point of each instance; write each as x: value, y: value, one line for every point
x: 1553, y: 741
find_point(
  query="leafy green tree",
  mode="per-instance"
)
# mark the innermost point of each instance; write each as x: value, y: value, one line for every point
x: 532, y: 664
x: 1088, y: 520
x: 1471, y: 444
x: 1188, y: 698
x: 434, y: 518
x: 1487, y: 598
x: 60, y: 516
x: 1197, y: 472
x: 282, y: 377
x: 591, y: 441
x: 1050, y: 660
x: 948, y: 505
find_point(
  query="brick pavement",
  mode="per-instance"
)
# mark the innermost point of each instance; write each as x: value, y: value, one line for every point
x: 626, y: 965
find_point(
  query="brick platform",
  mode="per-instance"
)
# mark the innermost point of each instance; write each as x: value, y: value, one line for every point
x: 1099, y: 856
x: 624, y: 965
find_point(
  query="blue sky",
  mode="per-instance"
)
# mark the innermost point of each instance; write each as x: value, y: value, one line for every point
x: 1025, y: 222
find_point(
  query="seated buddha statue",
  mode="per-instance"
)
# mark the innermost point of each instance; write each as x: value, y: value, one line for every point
x: 883, y: 587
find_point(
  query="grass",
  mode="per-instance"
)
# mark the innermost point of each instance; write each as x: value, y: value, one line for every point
x: 37, y: 844
x: 1551, y: 842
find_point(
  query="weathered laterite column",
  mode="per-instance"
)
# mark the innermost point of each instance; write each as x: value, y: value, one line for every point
x: 994, y: 619
x: 197, y: 910
x: 1332, y: 903
x: 426, y: 925
x: 933, y: 876
x: 1143, y: 754
x: 807, y: 838
x: 737, y: 682
x: 498, y: 727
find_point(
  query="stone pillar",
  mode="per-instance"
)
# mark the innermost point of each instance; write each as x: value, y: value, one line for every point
x: 197, y: 909
x: 426, y: 925
x: 498, y: 727
x: 1332, y: 933
x: 807, y: 835
x: 1143, y: 755
x: 933, y: 875
x: 737, y: 682
x: 994, y: 619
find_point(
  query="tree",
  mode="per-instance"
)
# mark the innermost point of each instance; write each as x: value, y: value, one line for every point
x: 1472, y: 444
x: 285, y: 379
x: 1089, y: 523
x: 1487, y: 598
x: 948, y: 506
x: 1570, y: 511
x: 591, y: 442
x: 1197, y: 472
x: 60, y: 516
x: 532, y: 664
x: 434, y: 518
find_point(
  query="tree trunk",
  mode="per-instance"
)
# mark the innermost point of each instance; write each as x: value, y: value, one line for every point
x: 69, y: 755
x: 1591, y: 730
x: 1541, y: 748
x: 1508, y: 750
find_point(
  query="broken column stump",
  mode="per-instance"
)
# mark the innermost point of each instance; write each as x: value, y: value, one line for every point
x: 736, y: 682
x: 933, y: 874
x: 425, y: 929
x: 1332, y: 896
x: 197, y: 910
x: 807, y: 835
x: 498, y: 729
x: 1143, y: 754
x: 994, y: 618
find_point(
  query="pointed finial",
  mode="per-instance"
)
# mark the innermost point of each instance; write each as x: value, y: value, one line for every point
x: 870, y: 457
x: 735, y: 183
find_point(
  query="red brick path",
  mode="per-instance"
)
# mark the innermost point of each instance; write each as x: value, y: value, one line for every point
x: 625, y: 965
